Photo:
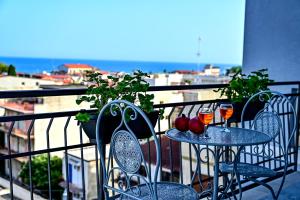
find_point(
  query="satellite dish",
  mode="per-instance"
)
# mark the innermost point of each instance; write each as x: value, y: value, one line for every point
x: 2, y: 111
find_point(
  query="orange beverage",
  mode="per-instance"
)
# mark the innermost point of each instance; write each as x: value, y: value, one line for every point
x: 226, y: 113
x: 205, y: 117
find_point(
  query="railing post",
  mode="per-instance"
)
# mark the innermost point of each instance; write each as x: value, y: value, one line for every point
x: 101, y: 174
x: 297, y: 126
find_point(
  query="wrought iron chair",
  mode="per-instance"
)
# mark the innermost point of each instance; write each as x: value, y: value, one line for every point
x: 126, y: 151
x: 268, y: 160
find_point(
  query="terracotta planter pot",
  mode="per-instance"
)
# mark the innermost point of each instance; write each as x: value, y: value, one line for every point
x: 110, y: 123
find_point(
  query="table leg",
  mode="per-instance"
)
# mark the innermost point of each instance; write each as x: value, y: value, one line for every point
x: 234, y: 173
x: 216, y: 174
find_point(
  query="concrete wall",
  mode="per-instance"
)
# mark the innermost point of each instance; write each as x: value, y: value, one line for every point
x: 19, y: 191
x: 272, y: 38
x: 21, y: 83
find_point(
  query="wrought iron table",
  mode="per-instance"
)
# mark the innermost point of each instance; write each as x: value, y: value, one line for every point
x: 238, y: 137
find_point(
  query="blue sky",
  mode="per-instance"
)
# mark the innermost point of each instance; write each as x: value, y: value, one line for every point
x: 141, y: 30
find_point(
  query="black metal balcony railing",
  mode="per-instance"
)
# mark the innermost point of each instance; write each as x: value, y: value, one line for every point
x: 178, y: 161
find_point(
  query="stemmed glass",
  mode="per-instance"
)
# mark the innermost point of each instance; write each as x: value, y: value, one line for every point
x: 226, y: 111
x: 205, y: 116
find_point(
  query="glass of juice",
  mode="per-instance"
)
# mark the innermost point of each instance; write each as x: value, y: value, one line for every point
x: 205, y: 115
x: 226, y: 111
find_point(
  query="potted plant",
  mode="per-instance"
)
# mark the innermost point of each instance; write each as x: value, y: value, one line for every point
x: 132, y: 88
x: 240, y: 88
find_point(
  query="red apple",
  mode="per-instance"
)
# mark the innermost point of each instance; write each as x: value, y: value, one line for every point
x: 196, y: 126
x: 182, y: 123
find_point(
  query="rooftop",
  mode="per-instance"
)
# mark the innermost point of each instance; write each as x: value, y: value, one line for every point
x: 185, y: 72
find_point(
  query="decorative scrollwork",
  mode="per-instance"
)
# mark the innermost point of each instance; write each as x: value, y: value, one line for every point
x: 206, y: 157
x: 268, y: 152
x: 263, y: 150
x: 131, y: 183
x: 207, y: 192
x: 228, y: 151
x: 114, y: 107
x: 122, y: 182
x: 268, y: 123
x: 131, y: 111
x: 136, y: 190
x: 122, y: 178
x: 264, y: 96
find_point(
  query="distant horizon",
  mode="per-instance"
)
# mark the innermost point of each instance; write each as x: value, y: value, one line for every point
x: 37, y: 65
x: 95, y: 59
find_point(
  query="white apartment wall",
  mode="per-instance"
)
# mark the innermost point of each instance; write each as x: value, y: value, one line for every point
x: 272, y: 38
x: 91, y: 180
x: 212, y: 71
x: 166, y: 79
x: 21, y: 83
x: 16, y: 167
x: 56, y: 134
x: 73, y: 70
x: 207, y: 94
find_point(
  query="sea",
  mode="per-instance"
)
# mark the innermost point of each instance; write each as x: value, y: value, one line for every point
x: 40, y: 65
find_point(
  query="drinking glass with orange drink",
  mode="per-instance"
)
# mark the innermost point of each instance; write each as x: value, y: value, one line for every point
x: 205, y: 115
x: 226, y: 111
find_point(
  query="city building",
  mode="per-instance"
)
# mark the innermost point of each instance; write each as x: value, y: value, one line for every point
x: 75, y: 68
x: 271, y: 38
x: 19, y: 136
x: 22, y: 131
x: 75, y: 178
x: 211, y: 70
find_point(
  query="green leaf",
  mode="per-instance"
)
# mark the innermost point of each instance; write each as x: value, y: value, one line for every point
x: 242, y: 86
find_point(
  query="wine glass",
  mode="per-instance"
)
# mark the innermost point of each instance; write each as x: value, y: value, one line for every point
x: 205, y: 116
x: 226, y: 111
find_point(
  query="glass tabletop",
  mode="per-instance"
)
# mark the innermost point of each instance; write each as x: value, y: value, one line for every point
x: 237, y: 137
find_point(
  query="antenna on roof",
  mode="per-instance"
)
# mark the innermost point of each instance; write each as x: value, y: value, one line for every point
x: 198, y: 54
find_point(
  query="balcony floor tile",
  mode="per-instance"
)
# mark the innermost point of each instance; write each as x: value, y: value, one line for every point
x: 290, y: 189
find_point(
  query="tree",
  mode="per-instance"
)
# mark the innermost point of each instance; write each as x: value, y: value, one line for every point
x: 39, y: 176
x: 3, y: 68
x: 11, y: 70
x: 233, y: 70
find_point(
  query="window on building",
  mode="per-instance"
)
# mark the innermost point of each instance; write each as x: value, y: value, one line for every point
x: 77, y: 167
x: 70, y: 167
x: 166, y: 176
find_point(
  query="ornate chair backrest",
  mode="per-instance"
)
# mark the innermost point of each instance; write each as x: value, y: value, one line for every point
x: 271, y: 120
x: 126, y: 151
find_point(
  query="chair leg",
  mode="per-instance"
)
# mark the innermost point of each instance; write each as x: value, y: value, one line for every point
x: 106, y: 195
x: 265, y: 185
x: 281, y: 185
